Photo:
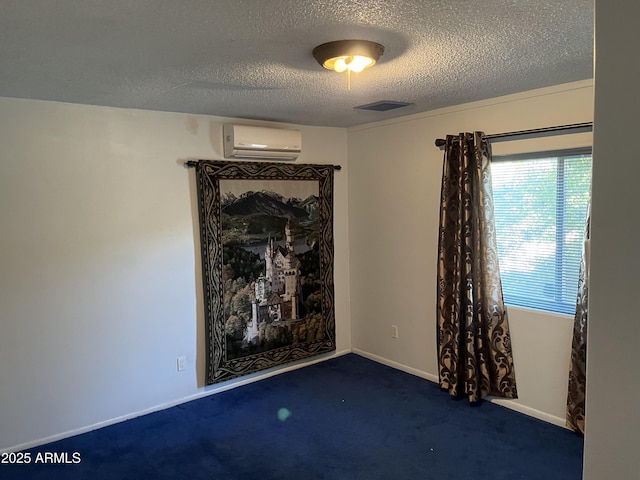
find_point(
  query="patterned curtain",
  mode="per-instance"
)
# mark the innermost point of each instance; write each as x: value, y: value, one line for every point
x: 474, y: 344
x: 578, y: 367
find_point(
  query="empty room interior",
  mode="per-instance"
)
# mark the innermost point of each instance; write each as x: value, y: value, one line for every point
x: 106, y: 313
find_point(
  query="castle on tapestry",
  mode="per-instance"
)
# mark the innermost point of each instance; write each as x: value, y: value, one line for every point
x: 277, y: 292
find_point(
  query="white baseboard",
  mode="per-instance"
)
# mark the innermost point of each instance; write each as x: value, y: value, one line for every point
x: 201, y: 394
x: 398, y: 366
x: 532, y: 412
x: 511, y: 404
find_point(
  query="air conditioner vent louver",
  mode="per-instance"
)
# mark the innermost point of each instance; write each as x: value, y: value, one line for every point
x: 383, y: 106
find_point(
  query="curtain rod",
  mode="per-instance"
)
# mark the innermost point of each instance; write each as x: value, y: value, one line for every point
x: 194, y: 163
x: 533, y: 133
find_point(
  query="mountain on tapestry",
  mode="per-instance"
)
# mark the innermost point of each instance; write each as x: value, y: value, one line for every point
x: 270, y: 203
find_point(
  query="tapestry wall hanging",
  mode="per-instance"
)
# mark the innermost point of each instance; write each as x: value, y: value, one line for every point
x: 266, y: 232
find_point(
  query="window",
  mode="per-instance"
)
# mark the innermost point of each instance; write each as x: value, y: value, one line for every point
x: 540, y: 206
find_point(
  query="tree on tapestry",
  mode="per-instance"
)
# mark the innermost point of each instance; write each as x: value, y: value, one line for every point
x: 267, y: 251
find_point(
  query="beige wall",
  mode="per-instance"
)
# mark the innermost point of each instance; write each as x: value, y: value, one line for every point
x: 394, y: 187
x: 98, y: 252
x: 613, y: 370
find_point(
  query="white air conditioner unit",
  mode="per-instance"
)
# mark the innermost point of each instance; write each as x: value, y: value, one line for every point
x: 243, y: 141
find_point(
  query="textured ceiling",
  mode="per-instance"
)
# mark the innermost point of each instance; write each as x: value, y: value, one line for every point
x: 252, y: 58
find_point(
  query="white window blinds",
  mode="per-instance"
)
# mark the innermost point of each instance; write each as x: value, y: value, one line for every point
x: 540, y: 206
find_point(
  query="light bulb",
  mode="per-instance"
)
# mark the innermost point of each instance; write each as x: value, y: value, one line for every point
x: 359, y: 63
x: 340, y: 65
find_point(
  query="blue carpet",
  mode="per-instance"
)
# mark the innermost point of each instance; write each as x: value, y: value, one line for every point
x: 346, y: 418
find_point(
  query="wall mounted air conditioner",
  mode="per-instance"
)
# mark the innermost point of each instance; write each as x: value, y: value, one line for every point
x: 243, y: 141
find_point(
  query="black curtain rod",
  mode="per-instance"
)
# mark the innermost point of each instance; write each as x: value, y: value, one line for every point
x: 194, y: 163
x: 533, y: 133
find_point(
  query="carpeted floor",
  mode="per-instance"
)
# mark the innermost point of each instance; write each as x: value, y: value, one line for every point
x: 346, y: 418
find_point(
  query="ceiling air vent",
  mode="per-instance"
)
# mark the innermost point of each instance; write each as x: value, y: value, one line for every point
x: 383, y: 106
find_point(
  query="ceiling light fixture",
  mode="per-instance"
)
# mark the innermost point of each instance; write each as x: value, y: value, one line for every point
x: 349, y: 55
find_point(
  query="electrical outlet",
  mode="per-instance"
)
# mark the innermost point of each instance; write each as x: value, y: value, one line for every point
x: 394, y: 331
x: 182, y: 363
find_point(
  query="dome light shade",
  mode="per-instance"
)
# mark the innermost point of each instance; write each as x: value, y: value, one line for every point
x: 349, y: 55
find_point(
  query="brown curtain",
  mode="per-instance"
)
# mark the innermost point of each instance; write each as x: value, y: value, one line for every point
x: 578, y: 367
x: 474, y: 344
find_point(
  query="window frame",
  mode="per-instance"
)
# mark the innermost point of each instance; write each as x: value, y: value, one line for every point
x: 558, y: 306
